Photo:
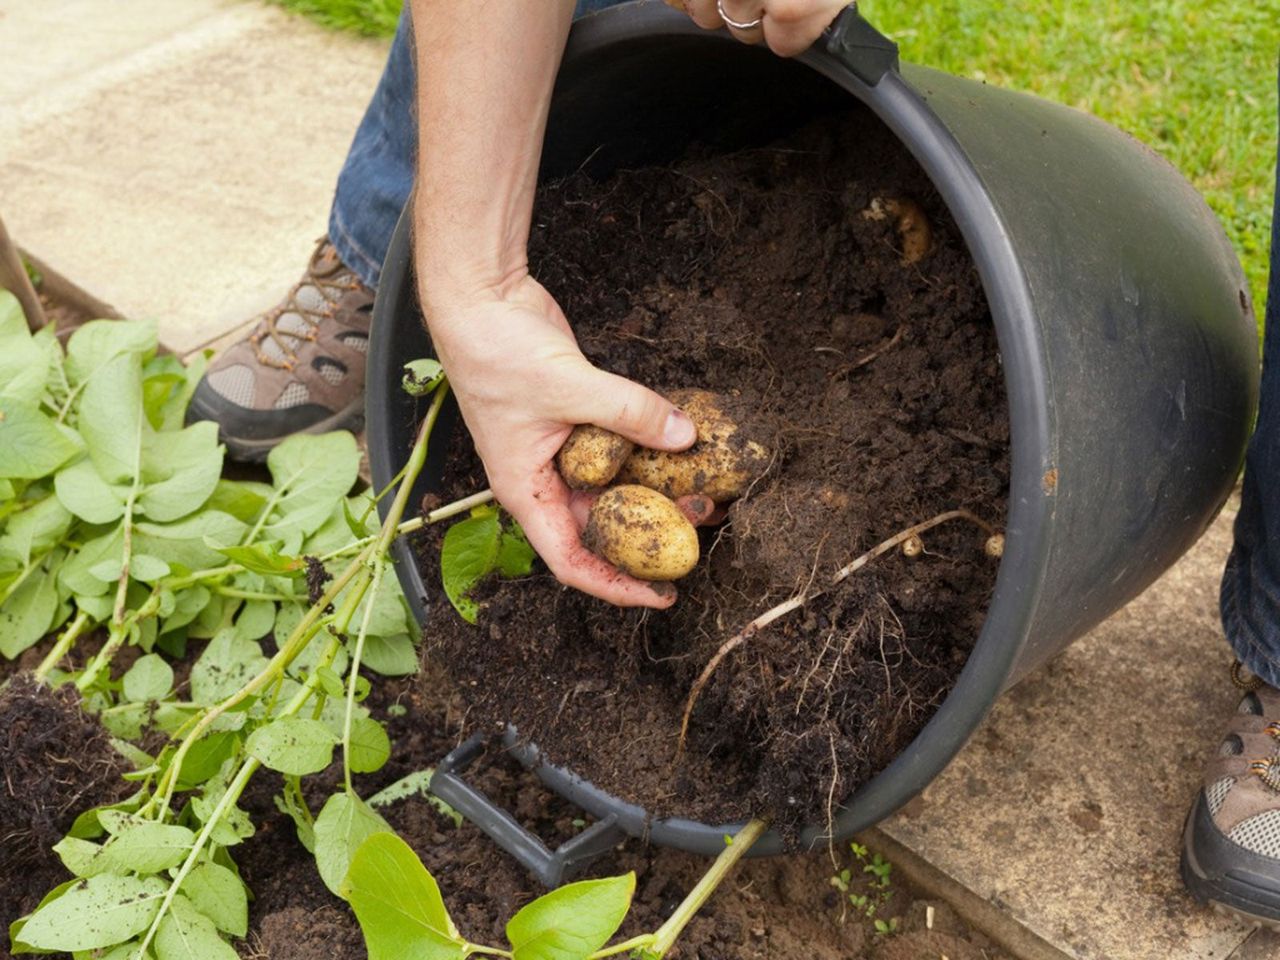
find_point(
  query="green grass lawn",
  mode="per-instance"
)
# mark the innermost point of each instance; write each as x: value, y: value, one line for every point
x: 1195, y: 80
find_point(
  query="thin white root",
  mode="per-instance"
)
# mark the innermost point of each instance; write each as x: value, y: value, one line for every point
x: 800, y: 599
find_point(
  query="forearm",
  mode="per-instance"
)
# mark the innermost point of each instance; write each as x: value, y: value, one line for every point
x: 485, y: 72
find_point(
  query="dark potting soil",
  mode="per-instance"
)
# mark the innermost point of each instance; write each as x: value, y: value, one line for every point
x: 55, y: 762
x: 876, y: 382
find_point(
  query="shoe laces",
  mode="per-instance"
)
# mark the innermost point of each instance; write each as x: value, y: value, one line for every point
x: 331, y: 290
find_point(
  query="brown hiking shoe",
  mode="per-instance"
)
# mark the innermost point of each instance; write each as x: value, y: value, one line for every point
x: 301, y: 370
x: 1231, y: 843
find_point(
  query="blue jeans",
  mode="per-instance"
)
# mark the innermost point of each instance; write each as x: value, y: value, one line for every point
x: 1251, y: 582
x: 378, y: 174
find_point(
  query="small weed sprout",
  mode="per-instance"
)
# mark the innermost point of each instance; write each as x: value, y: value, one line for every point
x: 866, y: 891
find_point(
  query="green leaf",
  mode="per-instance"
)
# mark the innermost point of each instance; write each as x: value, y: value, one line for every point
x: 29, y: 613
x: 99, y: 342
x: 390, y: 656
x: 98, y: 912
x: 167, y: 387
x: 206, y: 757
x: 185, y: 542
x: 343, y: 825
x: 572, y: 922
x: 78, y: 856
x: 370, y: 745
x: 31, y: 445
x: 15, y: 928
x: 34, y: 529
x: 142, y: 846
x: 294, y: 745
x: 187, y: 934
x: 227, y: 663
x: 150, y: 678
x: 398, y: 903
x: 220, y: 895
x: 241, y: 499
x: 233, y: 824
x: 82, y: 491
x: 111, y: 419
x: 181, y: 469
x: 146, y: 568
x: 476, y: 547
x: 311, y: 473
x: 421, y: 376
x: 77, y: 573
x: 265, y: 558
x: 24, y: 367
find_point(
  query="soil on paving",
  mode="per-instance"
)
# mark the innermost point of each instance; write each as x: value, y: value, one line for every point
x: 877, y: 384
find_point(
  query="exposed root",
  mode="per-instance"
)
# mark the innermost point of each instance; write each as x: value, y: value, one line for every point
x: 803, y: 597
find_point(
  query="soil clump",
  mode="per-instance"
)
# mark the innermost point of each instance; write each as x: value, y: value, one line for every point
x: 55, y: 762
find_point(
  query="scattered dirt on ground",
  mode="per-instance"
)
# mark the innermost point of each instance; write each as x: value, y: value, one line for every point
x: 54, y: 763
x: 767, y: 275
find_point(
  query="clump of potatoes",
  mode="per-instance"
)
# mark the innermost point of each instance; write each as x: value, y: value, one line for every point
x: 636, y: 525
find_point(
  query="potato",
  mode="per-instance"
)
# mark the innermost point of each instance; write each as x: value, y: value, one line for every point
x: 642, y: 532
x: 592, y: 456
x: 914, y: 229
x: 721, y: 465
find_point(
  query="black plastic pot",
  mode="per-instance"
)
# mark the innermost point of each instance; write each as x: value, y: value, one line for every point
x: 1125, y: 329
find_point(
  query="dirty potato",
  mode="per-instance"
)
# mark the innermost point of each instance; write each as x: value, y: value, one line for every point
x: 642, y: 532
x: 914, y: 230
x: 592, y: 456
x: 721, y: 465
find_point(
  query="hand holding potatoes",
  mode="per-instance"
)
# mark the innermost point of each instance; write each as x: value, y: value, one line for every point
x: 636, y: 525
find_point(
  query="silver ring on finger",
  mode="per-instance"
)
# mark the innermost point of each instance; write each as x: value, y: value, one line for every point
x: 737, y: 24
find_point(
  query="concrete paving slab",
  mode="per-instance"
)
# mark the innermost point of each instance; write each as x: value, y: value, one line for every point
x: 1066, y: 808
x: 1263, y: 945
x: 185, y: 178
x: 45, y: 53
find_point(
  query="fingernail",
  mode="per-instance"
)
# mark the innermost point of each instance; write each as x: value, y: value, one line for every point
x: 679, y: 430
x: 663, y: 589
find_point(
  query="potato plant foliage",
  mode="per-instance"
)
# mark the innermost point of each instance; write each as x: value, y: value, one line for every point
x: 116, y: 523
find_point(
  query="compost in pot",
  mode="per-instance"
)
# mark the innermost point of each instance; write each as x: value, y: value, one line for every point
x: 819, y: 283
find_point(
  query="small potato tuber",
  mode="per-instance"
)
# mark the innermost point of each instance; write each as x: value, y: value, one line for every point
x: 722, y: 464
x: 592, y: 456
x: 642, y: 532
x: 914, y: 230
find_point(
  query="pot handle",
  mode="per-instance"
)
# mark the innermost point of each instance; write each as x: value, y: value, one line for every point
x: 551, y: 867
x: 860, y: 46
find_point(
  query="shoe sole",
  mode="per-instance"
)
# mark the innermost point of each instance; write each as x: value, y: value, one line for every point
x: 247, y: 450
x: 1208, y: 870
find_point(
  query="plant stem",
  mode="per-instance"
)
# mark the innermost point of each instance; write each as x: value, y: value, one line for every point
x: 65, y: 642
x: 473, y: 948
x: 234, y: 789
x: 642, y: 942
x: 301, y: 635
x: 353, y: 673
x: 414, y: 524
x: 666, y: 935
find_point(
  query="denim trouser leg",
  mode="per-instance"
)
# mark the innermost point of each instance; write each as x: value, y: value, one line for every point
x: 378, y: 174
x: 1251, y: 582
